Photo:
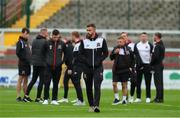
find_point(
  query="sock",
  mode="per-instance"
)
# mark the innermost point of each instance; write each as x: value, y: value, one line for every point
x: 116, y: 95
x: 124, y: 97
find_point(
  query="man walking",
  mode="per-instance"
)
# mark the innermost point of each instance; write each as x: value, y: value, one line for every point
x: 94, y: 50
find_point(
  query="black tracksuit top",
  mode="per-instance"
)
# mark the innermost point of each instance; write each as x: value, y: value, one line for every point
x: 158, y: 54
x: 69, y: 55
x: 54, y: 53
x: 39, y: 51
x: 122, y: 63
x: 23, y: 51
x: 94, y: 51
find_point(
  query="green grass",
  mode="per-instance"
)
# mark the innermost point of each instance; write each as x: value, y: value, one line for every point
x: 10, y: 108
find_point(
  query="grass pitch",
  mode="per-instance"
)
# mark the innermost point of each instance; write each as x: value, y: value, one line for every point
x: 10, y: 108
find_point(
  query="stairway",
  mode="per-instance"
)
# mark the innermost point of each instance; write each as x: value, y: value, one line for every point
x: 42, y: 14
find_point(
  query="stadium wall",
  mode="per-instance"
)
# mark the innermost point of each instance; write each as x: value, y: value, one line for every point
x: 9, y: 77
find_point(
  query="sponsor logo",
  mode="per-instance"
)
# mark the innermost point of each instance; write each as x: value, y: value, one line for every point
x: 98, y: 44
x: 174, y: 76
x: 4, y: 80
x: 50, y: 47
x: 59, y: 47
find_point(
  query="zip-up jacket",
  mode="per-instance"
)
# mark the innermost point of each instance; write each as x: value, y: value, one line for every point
x: 139, y: 62
x: 39, y: 51
x: 69, y: 54
x: 123, y: 60
x: 77, y: 57
x: 94, y: 51
x: 54, y: 53
x: 158, y: 54
x: 23, y: 51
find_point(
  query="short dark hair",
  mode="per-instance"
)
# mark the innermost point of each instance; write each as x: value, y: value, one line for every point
x: 91, y: 25
x: 159, y: 35
x: 55, y: 32
x: 144, y: 33
x: 25, y: 30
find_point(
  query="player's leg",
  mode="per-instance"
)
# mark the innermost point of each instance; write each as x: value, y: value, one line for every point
x: 124, y: 92
x: 18, y: 88
x: 147, y: 77
x: 47, y: 81
x: 158, y: 81
x: 65, y: 82
x: 33, y: 81
x: 41, y: 83
x: 55, y: 77
x: 77, y: 84
x: 139, y: 81
x: 25, y: 82
x: 115, y: 89
x: 98, y: 78
x: 66, y: 87
x: 132, y: 91
x: 88, y: 77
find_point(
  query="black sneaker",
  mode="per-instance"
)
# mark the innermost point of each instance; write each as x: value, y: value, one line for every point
x: 27, y: 99
x: 116, y: 102
x: 124, y: 102
x: 96, y: 109
x: 39, y: 100
x: 157, y: 101
x: 18, y: 99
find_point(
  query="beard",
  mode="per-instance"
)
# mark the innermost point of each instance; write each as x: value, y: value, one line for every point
x: 88, y: 35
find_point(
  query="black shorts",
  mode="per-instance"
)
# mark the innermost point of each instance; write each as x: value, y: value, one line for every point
x: 122, y: 77
x: 24, y: 70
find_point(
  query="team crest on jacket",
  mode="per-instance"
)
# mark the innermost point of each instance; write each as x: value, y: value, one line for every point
x: 76, y: 47
x: 98, y: 44
x: 50, y: 47
x: 87, y: 45
x: 59, y: 47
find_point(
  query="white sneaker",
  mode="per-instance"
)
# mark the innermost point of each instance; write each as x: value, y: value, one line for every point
x: 91, y: 109
x: 74, y: 101
x: 79, y: 103
x: 63, y: 100
x: 148, y: 100
x: 54, y: 102
x: 131, y: 99
x: 45, y: 102
x: 137, y: 100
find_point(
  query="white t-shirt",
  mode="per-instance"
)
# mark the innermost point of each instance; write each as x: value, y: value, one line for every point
x: 144, y: 52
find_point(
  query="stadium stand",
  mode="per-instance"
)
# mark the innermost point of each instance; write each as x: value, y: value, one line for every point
x: 113, y: 14
x: 42, y: 14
